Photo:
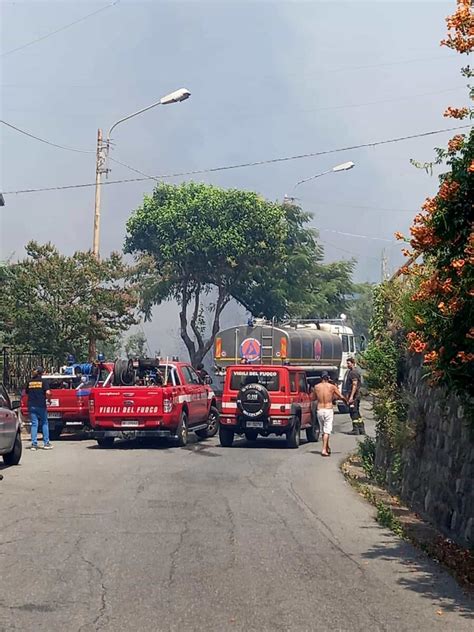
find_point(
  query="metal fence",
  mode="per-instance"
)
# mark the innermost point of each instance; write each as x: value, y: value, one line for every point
x: 16, y: 367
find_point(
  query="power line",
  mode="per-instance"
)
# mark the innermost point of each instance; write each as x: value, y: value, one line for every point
x: 134, y: 169
x: 384, y: 209
x: 62, y: 28
x: 339, y: 232
x: 256, y: 163
x: 47, y: 142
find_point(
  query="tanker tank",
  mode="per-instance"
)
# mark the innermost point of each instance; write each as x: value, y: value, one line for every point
x: 306, y: 346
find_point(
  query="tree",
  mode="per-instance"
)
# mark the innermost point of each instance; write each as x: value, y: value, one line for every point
x: 195, y: 241
x: 440, y: 311
x: 361, y: 307
x: 48, y: 299
x: 135, y: 345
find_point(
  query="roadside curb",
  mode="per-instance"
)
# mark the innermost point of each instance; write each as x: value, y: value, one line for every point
x: 409, y: 525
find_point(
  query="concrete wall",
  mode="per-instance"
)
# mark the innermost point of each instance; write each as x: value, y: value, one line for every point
x: 438, y: 465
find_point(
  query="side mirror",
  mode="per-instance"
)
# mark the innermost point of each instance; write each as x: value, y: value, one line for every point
x: 16, y: 404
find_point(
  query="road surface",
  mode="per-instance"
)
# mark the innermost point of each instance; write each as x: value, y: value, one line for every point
x: 257, y: 537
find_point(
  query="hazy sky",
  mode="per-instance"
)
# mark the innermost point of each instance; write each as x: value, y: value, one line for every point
x: 268, y: 79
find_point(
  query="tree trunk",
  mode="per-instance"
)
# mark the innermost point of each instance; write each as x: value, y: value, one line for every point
x: 199, y: 348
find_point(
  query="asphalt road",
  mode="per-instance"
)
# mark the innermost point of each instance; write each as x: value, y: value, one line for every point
x: 257, y: 537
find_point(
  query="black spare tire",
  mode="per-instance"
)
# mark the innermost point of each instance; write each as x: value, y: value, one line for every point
x: 123, y: 373
x: 253, y: 400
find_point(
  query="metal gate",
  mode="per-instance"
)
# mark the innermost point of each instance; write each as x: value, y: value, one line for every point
x: 16, y: 367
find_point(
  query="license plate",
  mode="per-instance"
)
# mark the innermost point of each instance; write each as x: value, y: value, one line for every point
x: 129, y: 422
x: 254, y: 424
x: 54, y: 415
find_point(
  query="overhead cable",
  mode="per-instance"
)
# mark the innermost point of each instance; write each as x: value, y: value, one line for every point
x: 62, y: 28
x: 47, y: 142
x: 255, y: 163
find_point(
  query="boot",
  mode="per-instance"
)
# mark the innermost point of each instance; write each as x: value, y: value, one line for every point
x: 361, y: 428
x: 355, y: 428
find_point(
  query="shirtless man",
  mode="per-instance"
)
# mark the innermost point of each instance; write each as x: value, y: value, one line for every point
x: 325, y: 393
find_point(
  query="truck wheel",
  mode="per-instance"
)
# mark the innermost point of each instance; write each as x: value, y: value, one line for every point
x: 55, y: 432
x: 313, y: 432
x: 293, y: 435
x: 226, y: 437
x: 105, y: 442
x: 13, y: 457
x: 182, y: 432
x: 213, y: 425
x: 251, y: 435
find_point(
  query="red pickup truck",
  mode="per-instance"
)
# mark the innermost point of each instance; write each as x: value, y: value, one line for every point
x: 70, y: 390
x: 153, y: 399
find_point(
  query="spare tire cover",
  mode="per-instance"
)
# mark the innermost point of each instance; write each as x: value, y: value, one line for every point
x: 253, y: 400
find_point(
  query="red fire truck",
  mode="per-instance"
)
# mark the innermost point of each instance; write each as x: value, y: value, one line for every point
x: 152, y: 398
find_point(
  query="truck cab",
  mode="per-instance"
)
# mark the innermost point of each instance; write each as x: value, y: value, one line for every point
x: 266, y: 399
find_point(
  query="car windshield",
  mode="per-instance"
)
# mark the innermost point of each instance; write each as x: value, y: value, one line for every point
x: 269, y: 379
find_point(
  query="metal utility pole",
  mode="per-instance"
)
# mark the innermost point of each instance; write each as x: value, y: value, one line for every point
x: 383, y: 266
x: 100, y: 168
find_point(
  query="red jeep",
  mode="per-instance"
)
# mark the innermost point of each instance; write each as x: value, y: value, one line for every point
x: 149, y: 398
x: 266, y: 399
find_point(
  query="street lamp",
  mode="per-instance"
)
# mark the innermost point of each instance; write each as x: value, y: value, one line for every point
x: 103, y: 152
x: 345, y: 166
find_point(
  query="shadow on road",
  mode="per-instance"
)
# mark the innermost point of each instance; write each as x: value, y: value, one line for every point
x: 155, y: 443
x: 426, y: 580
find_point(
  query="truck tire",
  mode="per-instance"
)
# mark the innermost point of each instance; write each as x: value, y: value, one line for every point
x: 105, y: 442
x: 313, y: 432
x: 55, y: 431
x: 123, y: 373
x: 293, y: 435
x: 213, y: 425
x: 226, y: 437
x: 13, y: 457
x: 182, y: 431
x: 251, y: 435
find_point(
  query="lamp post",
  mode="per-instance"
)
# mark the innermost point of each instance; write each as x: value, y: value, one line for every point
x: 345, y: 166
x: 100, y: 168
x: 103, y: 152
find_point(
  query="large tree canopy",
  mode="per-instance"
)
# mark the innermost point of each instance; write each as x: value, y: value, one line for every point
x: 195, y: 240
x: 53, y: 304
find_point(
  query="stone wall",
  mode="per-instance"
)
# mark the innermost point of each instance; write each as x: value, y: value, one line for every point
x: 438, y: 465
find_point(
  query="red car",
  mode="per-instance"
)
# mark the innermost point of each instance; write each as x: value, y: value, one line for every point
x: 152, y: 399
x: 264, y: 400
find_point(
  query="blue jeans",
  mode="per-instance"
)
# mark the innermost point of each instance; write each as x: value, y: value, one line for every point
x: 39, y: 415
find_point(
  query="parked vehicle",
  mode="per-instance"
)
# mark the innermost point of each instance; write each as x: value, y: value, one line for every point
x: 10, y: 429
x: 70, y: 390
x: 150, y: 398
x: 264, y: 400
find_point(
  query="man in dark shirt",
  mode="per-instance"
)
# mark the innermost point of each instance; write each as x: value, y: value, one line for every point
x: 38, y: 393
x: 351, y: 390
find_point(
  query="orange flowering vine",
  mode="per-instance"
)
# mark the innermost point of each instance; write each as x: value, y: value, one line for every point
x: 430, y: 357
x: 456, y: 143
x: 461, y: 28
x: 457, y: 113
x: 448, y: 189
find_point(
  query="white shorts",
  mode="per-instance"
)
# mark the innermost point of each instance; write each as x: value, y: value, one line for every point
x: 325, y: 418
